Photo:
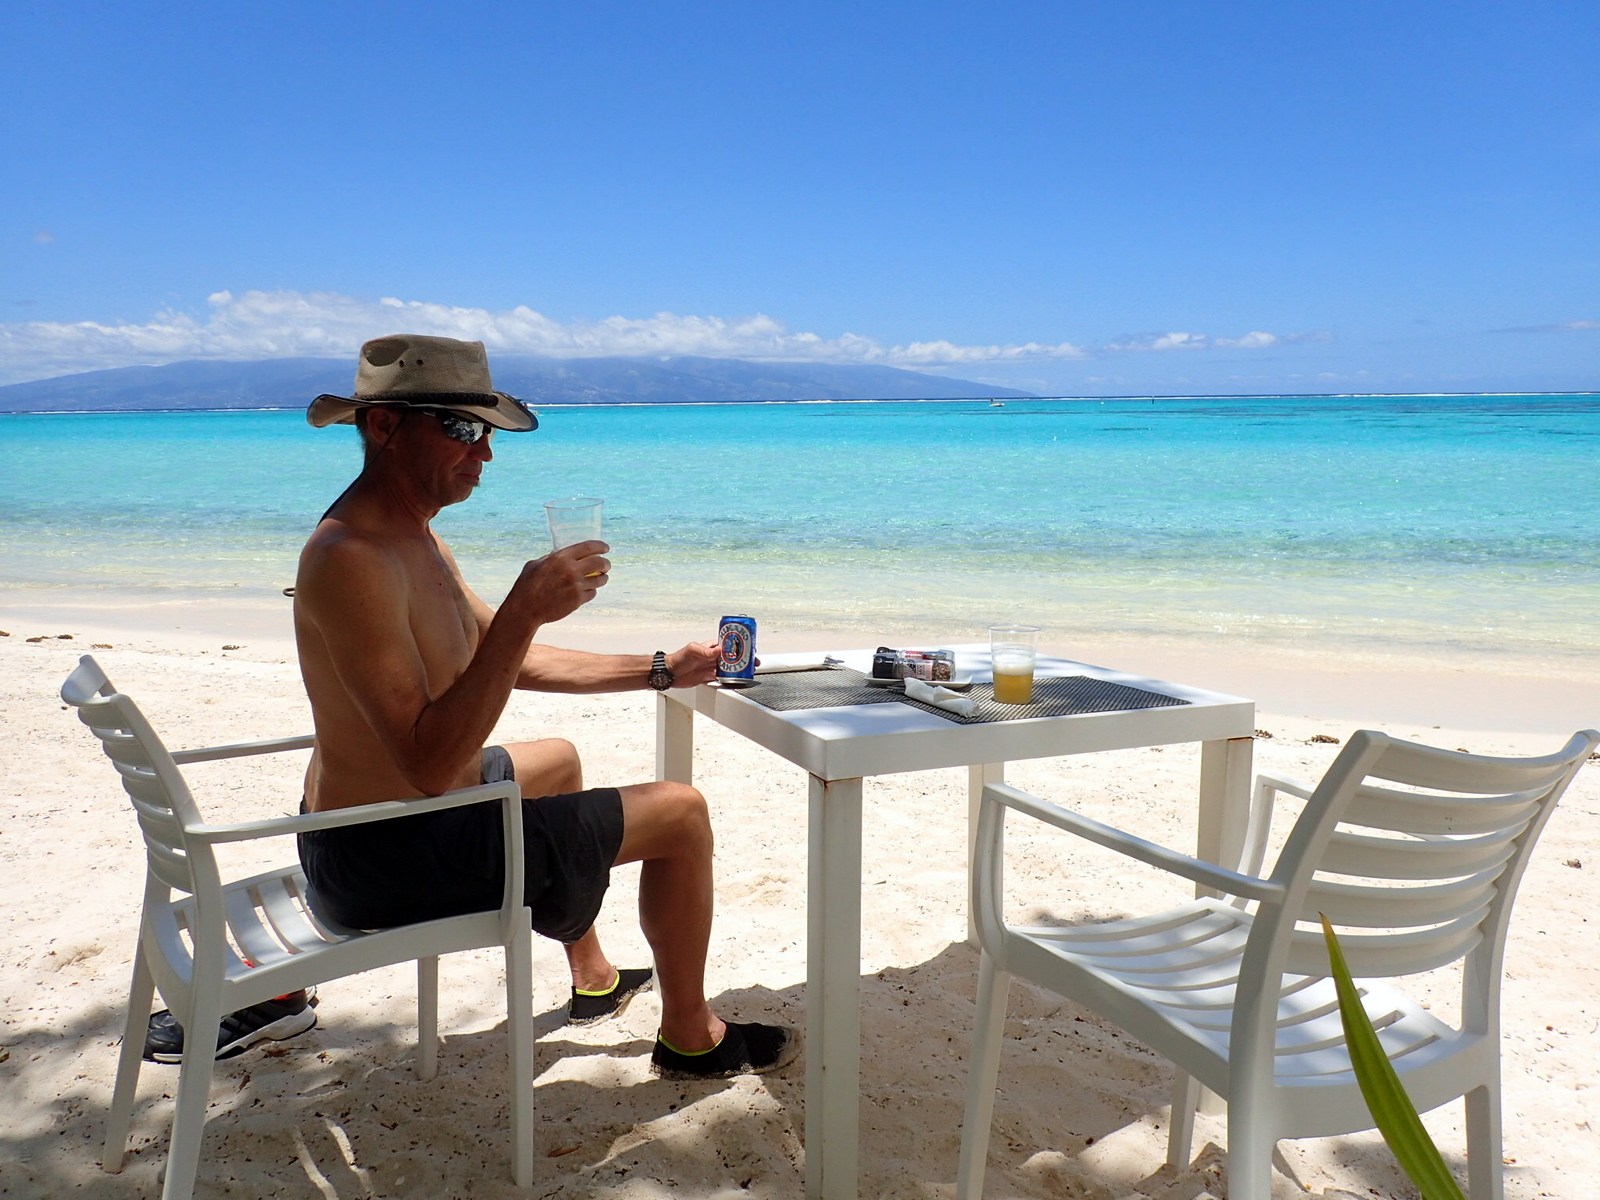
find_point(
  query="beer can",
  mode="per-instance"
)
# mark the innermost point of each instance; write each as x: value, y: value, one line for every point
x: 737, y: 660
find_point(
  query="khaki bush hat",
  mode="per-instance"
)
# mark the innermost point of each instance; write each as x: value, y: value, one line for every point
x: 407, y: 369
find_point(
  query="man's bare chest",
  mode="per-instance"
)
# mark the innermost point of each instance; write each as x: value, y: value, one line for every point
x: 441, y: 618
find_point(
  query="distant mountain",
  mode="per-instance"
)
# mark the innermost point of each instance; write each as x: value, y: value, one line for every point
x: 289, y: 382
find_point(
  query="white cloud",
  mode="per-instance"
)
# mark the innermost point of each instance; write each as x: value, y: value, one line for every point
x: 1563, y: 327
x: 286, y: 324
x: 1139, y: 343
x: 1250, y: 341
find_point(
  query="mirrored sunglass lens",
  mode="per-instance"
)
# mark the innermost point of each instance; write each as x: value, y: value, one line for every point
x: 461, y: 428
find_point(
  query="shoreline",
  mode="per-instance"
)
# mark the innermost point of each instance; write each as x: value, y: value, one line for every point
x: 1323, y: 679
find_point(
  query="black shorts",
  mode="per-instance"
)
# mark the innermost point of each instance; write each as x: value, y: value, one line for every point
x: 442, y: 864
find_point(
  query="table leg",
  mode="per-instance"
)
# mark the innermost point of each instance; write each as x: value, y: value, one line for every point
x: 1225, y: 777
x: 978, y: 774
x: 674, y: 741
x: 1224, y: 802
x: 833, y: 989
x: 1225, y: 767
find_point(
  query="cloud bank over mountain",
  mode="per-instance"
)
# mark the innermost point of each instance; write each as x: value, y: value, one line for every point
x: 285, y: 324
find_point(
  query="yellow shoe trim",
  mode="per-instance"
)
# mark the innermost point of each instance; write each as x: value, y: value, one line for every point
x: 689, y: 1053
x: 604, y: 991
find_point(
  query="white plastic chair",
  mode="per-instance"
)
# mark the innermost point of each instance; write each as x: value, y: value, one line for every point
x: 193, y: 946
x: 1415, y: 851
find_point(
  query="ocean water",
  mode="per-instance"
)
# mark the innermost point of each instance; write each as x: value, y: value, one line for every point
x: 1414, y: 521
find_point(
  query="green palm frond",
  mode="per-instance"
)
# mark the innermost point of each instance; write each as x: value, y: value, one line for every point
x: 1392, y: 1110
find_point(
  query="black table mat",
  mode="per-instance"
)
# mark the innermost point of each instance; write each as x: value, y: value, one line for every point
x: 840, y: 687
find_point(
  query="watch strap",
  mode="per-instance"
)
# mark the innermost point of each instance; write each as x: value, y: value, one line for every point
x: 660, y: 677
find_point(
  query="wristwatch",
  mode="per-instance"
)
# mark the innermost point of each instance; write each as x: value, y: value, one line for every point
x: 660, y: 676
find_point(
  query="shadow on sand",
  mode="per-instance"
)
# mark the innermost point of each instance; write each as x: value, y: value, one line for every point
x: 339, y: 1111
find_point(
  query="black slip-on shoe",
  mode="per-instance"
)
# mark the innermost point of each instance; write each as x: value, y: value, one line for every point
x: 590, y: 1008
x: 745, y: 1049
x: 283, y: 1017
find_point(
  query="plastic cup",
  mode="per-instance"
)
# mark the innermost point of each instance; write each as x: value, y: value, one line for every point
x: 573, y: 521
x: 1012, y: 649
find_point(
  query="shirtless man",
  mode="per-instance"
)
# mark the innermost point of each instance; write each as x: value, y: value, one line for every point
x: 408, y: 671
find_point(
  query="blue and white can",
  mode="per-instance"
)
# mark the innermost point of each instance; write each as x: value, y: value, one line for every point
x: 737, y: 660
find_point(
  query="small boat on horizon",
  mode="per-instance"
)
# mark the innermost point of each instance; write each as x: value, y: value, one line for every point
x: 996, y: 404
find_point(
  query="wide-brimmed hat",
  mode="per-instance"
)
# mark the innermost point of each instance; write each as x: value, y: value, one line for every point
x: 412, y: 370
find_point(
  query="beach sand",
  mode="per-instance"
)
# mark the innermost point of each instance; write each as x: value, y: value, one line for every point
x: 1081, y: 1110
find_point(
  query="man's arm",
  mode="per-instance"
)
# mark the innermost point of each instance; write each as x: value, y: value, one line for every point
x: 554, y: 669
x: 356, y: 594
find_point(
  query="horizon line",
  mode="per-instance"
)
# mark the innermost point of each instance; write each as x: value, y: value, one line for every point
x: 70, y: 412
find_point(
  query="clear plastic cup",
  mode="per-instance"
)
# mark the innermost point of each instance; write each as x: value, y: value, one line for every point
x: 573, y: 521
x: 1012, y: 649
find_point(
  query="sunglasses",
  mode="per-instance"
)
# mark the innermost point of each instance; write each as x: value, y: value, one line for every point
x: 463, y: 429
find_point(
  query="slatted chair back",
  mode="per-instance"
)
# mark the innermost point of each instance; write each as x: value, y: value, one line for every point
x: 1416, y: 852
x: 155, y: 786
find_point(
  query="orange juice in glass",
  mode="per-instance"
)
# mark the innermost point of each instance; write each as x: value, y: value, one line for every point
x: 1012, y: 649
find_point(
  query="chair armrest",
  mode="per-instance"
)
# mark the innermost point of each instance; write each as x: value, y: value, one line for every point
x: 513, y: 913
x: 1150, y: 853
x: 1259, y: 826
x: 359, y: 814
x: 241, y: 749
x: 1284, y: 783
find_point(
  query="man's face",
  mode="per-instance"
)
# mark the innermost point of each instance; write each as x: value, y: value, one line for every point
x: 444, y: 468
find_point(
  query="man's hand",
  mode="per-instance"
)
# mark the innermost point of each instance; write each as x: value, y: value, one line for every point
x: 695, y: 664
x: 561, y: 582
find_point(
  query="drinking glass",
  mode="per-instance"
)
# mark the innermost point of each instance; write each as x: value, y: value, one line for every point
x: 573, y: 521
x: 1011, y: 651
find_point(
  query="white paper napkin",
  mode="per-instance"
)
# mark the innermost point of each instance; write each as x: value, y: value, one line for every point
x: 940, y: 697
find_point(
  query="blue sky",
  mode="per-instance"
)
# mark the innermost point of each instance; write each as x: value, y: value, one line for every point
x: 1074, y: 198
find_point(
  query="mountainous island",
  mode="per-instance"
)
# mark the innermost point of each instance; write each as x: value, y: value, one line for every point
x: 292, y: 382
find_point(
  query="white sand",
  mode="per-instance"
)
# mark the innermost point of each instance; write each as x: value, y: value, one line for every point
x: 1081, y: 1109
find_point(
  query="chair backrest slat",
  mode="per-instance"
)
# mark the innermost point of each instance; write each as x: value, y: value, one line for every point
x: 1432, y: 768
x: 145, y: 788
x: 1441, y: 813
x: 1360, y: 854
x: 159, y: 820
x: 173, y: 869
x: 85, y: 683
x: 121, y: 747
x: 1374, y: 905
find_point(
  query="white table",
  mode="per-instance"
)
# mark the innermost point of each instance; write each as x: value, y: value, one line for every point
x: 840, y: 746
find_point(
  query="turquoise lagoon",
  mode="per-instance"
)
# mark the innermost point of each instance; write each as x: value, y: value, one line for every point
x: 1465, y: 522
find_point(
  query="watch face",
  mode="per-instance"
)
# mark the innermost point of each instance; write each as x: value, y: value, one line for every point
x: 660, y: 679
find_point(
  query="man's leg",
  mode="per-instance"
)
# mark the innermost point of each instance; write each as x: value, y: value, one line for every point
x: 551, y: 767
x: 667, y: 828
